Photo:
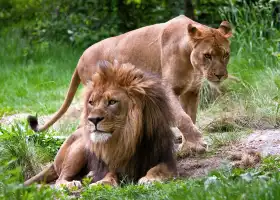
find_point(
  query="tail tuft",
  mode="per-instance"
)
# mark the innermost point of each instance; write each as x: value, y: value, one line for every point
x: 33, y: 122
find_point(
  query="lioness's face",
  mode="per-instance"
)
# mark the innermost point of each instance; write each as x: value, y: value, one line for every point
x: 211, y: 56
x: 106, y: 112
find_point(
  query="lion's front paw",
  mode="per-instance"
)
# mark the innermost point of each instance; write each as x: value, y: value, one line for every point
x: 111, y: 182
x: 68, y: 184
x: 148, y: 180
x: 187, y: 148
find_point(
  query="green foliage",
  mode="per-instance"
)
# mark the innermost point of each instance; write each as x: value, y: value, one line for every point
x: 83, y: 22
x: 21, y: 147
x: 206, y: 11
x: 277, y: 97
x: 11, y: 187
x: 50, y: 144
x: 15, y: 11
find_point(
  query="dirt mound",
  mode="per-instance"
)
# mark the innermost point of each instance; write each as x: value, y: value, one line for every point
x: 246, y: 153
x: 267, y: 142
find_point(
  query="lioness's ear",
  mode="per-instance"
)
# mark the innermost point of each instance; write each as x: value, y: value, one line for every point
x: 193, y: 31
x: 225, y: 29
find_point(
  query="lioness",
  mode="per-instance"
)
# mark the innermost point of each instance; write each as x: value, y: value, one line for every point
x: 126, y: 131
x: 181, y: 51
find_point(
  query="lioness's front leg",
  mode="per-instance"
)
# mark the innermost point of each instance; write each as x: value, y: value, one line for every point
x: 192, y: 140
x: 159, y: 173
x: 189, y: 102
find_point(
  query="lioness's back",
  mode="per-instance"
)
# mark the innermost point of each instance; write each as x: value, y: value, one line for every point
x: 142, y: 47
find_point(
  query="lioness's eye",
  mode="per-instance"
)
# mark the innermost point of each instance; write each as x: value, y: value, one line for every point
x: 208, y: 56
x: 226, y: 55
x: 112, y: 102
x: 90, y: 102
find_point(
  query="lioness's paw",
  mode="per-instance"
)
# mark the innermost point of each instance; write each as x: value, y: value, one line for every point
x: 148, y: 180
x: 111, y: 182
x: 68, y: 184
x: 191, y: 148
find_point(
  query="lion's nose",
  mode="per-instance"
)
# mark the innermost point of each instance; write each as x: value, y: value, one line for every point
x: 95, y: 120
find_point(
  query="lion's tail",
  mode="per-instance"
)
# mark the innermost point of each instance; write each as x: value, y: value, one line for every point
x: 33, y: 121
x: 47, y: 175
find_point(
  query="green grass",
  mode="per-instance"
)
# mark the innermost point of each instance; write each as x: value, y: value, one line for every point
x: 193, y: 189
x: 226, y: 183
x: 34, y: 77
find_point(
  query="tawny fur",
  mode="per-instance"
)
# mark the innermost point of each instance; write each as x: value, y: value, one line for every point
x: 178, y: 51
x: 142, y: 143
x: 145, y: 137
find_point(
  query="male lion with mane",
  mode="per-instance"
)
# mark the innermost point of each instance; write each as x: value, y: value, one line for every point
x: 181, y: 51
x: 125, y: 131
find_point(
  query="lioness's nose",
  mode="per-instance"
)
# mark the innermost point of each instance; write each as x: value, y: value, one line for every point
x: 95, y: 120
x: 219, y: 76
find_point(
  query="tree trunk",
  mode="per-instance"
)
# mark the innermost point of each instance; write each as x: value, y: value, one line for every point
x: 189, y: 9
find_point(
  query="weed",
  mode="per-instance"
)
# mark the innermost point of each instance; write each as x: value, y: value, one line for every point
x: 225, y: 138
x: 21, y: 147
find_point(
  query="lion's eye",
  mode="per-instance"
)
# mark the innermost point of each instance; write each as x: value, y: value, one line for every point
x: 226, y: 55
x: 90, y: 102
x: 112, y: 102
x: 208, y: 56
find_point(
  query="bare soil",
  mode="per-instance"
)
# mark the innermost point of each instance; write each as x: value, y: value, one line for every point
x: 246, y: 153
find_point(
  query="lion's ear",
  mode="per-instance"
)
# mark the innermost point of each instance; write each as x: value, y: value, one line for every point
x: 90, y: 82
x: 116, y: 63
x: 194, y: 31
x: 225, y: 29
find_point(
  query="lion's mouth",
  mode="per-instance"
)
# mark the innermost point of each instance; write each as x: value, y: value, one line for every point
x: 216, y: 82
x: 100, y: 136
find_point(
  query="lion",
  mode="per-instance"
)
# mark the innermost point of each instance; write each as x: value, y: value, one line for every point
x: 181, y: 51
x: 126, y: 131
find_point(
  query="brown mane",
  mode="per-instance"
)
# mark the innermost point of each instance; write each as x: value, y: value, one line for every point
x: 146, y: 139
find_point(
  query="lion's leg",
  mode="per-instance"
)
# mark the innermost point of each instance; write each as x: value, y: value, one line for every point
x: 109, y: 179
x: 47, y: 175
x: 74, y: 160
x: 192, y: 141
x: 159, y: 173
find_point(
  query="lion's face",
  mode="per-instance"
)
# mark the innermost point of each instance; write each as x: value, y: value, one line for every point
x: 211, y: 51
x: 106, y: 113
